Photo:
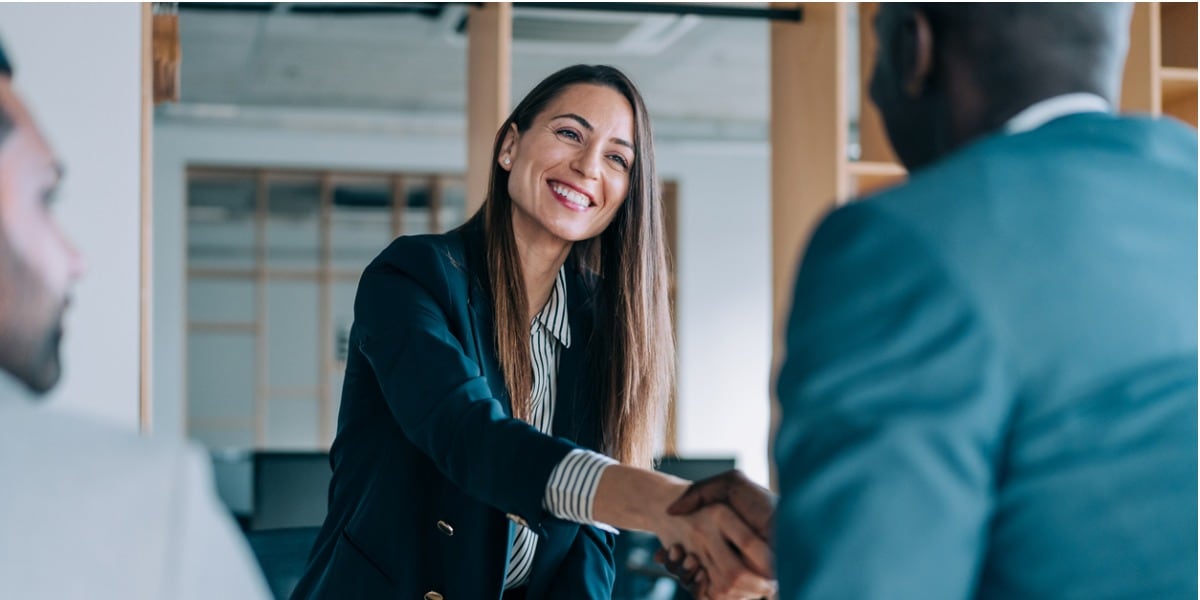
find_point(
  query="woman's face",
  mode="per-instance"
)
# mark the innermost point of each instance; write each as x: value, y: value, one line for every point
x: 569, y: 172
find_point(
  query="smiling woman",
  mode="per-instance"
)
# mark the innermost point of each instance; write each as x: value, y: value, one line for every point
x: 579, y: 161
x: 494, y: 370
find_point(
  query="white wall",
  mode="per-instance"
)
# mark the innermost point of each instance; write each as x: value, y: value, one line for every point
x: 723, y: 258
x: 724, y: 299
x: 78, y: 67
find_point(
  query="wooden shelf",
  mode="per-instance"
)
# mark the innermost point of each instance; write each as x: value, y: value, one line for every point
x: 1177, y: 81
x: 1178, y: 34
x: 860, y: 168
x: 1179, y: 93
x: 870, y: 176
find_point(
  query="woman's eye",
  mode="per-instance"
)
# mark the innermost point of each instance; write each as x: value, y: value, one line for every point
x: 620, y: 160
x: 569, y: 134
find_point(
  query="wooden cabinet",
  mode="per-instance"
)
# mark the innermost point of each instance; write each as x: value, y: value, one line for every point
x: 1160, y: 79
x: 1160, y: 71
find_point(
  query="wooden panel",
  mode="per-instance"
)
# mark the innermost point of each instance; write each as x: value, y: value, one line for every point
x: 872, y: 135
x: 1182, y: 108
x: 808, y: 145
x: 1180, y: 94
x: 1140, y: 90
x: 146, y: 228
x: 489, y: 76
x: 165, y: 57
x: 1178, y: 20
x: 870, y: 177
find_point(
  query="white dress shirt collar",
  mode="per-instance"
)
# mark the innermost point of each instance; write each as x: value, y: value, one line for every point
x: 1044, y: 111
x: 553, y: 315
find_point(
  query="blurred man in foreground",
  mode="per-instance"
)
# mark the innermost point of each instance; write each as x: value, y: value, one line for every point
x: 86, y: 511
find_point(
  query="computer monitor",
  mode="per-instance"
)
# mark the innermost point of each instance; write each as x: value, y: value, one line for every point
x: 694, y: 469
x: 291, y: 489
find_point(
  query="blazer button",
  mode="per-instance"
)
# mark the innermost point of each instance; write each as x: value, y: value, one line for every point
x: 432, y: 596
x: 517, y: 520
x: 445, y: 528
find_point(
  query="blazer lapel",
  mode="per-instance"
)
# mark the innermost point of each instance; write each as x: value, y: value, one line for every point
x: 572, y: 400
x: 571, y: 406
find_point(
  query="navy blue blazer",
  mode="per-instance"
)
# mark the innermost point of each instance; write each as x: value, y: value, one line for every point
x: 990, y: 386
x: 430, y: 470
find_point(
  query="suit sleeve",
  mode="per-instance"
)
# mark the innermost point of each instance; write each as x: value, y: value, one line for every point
x: 208, y: 557
x: 894, y: 404
x: 442, y: 402
x: 589, y: 569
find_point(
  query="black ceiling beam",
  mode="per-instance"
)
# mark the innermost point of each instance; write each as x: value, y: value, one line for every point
x: 433, y: 9
x: 666, y: 8
x: 425, y: 9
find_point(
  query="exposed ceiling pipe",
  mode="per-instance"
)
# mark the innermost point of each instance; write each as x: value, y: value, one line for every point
x: 434, y: 9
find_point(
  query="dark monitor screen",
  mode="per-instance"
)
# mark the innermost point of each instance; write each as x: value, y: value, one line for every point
x: 693, y: 469
x: 291, y: 489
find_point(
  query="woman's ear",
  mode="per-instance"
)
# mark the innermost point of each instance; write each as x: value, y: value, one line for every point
x: 508, y: 149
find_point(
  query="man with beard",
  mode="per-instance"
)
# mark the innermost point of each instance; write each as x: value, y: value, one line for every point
x: 86, y: 511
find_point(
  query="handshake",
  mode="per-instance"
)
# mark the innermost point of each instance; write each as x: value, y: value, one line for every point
x: 728, y: 554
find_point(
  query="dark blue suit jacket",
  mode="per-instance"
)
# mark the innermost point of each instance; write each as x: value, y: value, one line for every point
x: 990, y: 383
x: 430, y: 472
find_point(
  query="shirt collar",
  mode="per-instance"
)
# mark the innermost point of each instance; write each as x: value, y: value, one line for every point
x: 1044, y: 111
x: 553, y: 316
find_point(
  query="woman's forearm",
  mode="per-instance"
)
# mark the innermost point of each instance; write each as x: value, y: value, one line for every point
x: 635, y: 499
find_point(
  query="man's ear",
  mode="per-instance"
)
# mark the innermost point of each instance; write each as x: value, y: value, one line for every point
x: 916, y: 53
x: 508, y: 149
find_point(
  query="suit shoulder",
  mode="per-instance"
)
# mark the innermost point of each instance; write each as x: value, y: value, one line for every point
x: 431, y: 259
x: 418, y: 252
x: 58, y: 446
x: 47, y: 448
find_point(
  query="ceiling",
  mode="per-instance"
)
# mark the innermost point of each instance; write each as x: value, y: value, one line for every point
x: 700, y: 75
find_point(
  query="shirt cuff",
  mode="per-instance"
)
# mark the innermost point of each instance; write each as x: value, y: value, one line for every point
x: 572, y: 487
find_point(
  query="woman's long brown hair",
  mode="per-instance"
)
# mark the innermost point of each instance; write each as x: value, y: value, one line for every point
x: 632, y: 350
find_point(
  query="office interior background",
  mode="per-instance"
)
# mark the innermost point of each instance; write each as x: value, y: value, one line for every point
x: 225, y: 229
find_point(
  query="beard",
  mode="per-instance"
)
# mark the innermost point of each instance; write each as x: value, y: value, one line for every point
x: 31, y: 324
x: 45, y: 363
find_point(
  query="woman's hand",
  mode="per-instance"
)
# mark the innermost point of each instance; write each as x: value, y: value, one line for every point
x: 733, y: 561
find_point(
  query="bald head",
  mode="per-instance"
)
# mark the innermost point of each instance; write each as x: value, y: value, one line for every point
x: 959, y: 71
x: 1020, y: 49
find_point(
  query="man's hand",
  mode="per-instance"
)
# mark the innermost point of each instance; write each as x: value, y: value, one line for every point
x: 735, y: 563
x: 753, y: 503
x: 690, y: 574
x: 684, y: 567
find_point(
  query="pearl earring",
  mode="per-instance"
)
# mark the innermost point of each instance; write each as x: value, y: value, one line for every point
x: 506, y: 160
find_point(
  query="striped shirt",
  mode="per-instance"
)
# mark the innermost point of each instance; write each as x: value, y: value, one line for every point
x: 572, y: 485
